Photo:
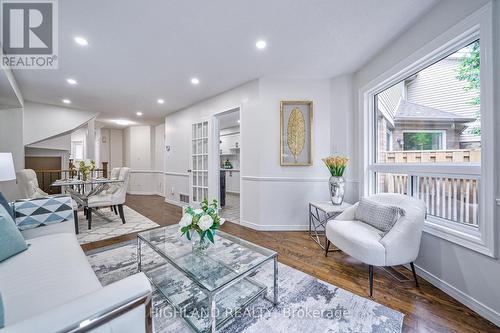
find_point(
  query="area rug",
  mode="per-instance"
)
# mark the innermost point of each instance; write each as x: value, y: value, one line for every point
x: 306, y: 304
x: 111, y: 226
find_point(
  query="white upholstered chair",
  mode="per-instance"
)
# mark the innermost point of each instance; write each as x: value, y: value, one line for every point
x: 113, y: 196
x: 398, y: 246
x: 27, y: 183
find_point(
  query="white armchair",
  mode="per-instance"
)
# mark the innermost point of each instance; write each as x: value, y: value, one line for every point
x: 114, y: 196
x: 399, y: 246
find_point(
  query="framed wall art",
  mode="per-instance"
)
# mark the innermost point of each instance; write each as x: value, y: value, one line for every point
x: 296, y: 118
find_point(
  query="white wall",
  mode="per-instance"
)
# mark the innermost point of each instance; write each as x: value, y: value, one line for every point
x: 42, y: 121
x: 110, y: 143
x: 273, y: 197
x: 11, y: 140
x: 343, y: 134
x: 470, y: 277
x: 143, y: 147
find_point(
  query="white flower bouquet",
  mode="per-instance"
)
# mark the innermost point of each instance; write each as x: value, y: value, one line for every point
x: 204, y: 221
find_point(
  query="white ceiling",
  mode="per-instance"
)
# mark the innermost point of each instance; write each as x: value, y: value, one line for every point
x: 140, y: 51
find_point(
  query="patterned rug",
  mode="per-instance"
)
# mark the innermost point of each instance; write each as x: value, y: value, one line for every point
x: 306, y: 304
x: 111, y: 225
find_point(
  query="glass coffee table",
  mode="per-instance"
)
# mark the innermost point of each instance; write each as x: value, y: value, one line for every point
x: 207, y: 289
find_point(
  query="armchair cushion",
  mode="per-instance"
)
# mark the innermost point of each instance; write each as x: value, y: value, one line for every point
x: 379, y: 215
x: 33, y: 213
x: 360, y: 240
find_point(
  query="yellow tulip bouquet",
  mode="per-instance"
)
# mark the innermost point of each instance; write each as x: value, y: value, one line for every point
x: 336, y: 165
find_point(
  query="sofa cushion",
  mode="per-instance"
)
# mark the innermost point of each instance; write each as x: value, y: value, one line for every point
x: 2, y: 317
x: 11, y: 240
x: 358, y: 239
x: 6, y: 205
x: 378, y: 215
x: 68, y: 226
x: 52, y: 272
x: 33, y: 213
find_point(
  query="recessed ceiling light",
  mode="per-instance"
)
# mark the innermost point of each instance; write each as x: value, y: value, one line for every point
x: 160, y: 101
x: 81, y: 41
x: 261, y: 44
x: 71, y: 81
x: 195, y: 81
x: 122, y: 122
x: 66, y: 101
x: 238, y: 121
x: 139, y: 113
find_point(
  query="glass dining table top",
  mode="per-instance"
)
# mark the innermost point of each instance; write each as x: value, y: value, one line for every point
x: 226, y: 260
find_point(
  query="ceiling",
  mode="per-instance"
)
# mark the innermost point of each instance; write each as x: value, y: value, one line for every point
x: 140, y: 51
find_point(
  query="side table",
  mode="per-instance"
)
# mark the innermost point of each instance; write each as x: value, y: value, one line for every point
x: 319, y: 214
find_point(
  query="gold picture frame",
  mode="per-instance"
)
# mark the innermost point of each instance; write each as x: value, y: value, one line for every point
x: 296, y: 133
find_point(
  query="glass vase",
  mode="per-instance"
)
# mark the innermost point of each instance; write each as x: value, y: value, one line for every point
x: 337, y: 189
x: 198, y: 244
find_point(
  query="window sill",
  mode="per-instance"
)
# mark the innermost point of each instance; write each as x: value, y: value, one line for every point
x: 463, y: 235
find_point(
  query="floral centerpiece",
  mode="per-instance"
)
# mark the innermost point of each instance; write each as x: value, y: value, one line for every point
x: 336, y: 165
x: 200, y: 225
x: 85, y: 169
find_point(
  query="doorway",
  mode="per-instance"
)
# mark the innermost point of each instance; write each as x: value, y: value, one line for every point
x: 227, y: 130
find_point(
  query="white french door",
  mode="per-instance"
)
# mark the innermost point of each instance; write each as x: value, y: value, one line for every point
x: 199, y: 162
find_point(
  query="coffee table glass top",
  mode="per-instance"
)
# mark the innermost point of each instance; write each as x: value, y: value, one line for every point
x: 224, y: 261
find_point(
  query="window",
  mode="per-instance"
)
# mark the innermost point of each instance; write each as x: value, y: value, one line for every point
x: 424, y: 140
x: 77, y: 150
x: 425, y: 121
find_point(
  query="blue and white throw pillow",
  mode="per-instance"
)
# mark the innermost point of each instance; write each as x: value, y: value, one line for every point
x: 33, y: 213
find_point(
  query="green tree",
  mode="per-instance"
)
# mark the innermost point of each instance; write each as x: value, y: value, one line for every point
x: 469, y: 70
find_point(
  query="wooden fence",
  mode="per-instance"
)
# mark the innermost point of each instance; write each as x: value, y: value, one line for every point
x: 432, y: 156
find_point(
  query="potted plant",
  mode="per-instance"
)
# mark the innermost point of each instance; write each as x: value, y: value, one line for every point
x: 336, y: 165
x: 199, y: 225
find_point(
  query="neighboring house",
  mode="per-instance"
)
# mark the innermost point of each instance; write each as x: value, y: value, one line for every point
x: 431, y: 110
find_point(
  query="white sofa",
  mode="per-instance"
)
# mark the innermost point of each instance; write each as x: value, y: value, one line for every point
x: 399, y: 246
x: 51, y: 287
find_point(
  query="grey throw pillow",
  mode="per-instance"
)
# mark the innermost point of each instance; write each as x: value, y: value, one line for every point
x: 378, y: 215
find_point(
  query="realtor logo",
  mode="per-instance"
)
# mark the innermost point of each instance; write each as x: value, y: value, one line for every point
x: 29, y: 34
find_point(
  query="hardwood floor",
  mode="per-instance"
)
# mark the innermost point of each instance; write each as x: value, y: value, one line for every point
x: 426, y: 309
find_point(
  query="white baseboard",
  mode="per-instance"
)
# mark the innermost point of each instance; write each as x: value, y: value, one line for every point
x: 460, y: 296
x: 274, y: 227
x: 142, y: 193
x: 175, y: 202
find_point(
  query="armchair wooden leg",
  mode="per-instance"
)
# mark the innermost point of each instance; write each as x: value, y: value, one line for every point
x: 111, y: 208
x: 89, y: 217
x: 370, y: 270
x: 120, y: 210
x: 114, y: 209
x: 75, y: 217
x: 327, y: 247
x: 414, y: 274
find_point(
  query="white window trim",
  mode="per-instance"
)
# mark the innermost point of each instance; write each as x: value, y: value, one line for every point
x: 478, y: 25
x: 440, y: 131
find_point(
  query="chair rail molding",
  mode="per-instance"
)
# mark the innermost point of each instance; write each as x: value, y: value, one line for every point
x: 180, y: 174
x: 291, y: 179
